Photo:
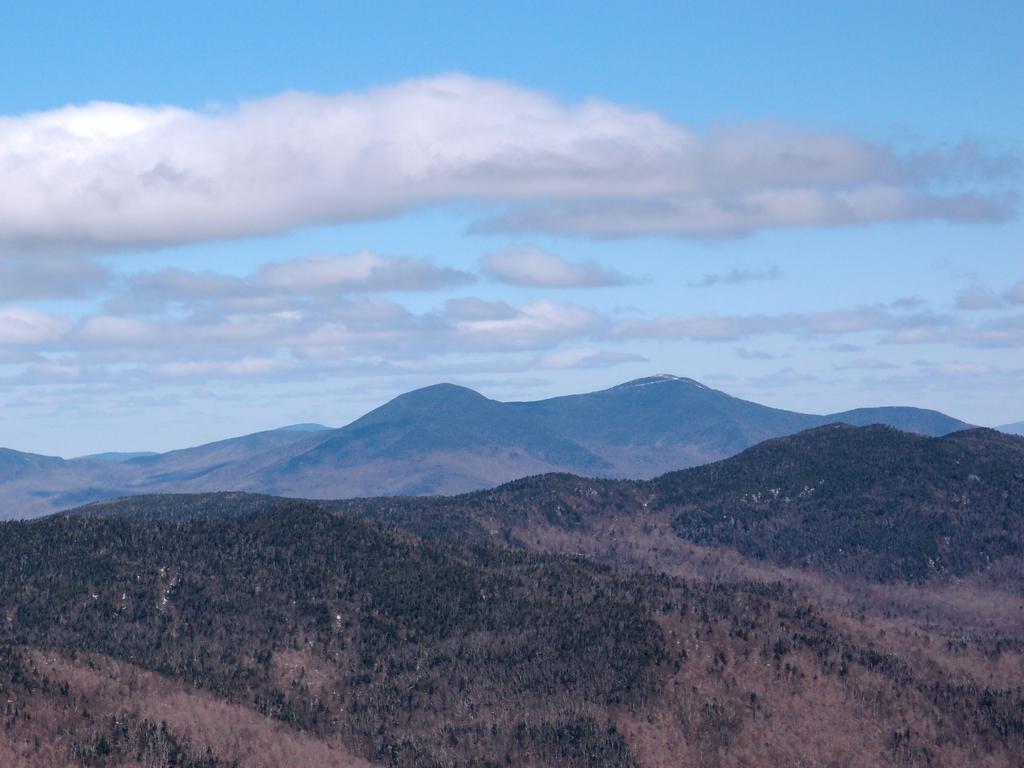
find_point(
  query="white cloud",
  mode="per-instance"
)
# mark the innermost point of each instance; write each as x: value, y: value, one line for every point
x: 279, y: 284
x: 537, y: 324
x: 1002, y: 332
x: 715, y: 215
x: 529, y: 266
x: 866, y: 364
x: 714, y: 327
x: 113, y: 175
x: 1016, y: 294
x: 587, y: 357
x: 25, y: 326
x: 35, y: 277
x: 52, y: 370
x: 248, y: 366
x: 967, y: 379
x: 977, y: 297
x: 175, y: 284
x: 964, y: 369
x: 754, y: 354
x: 362, y: 271
x: 312, y: 335
x: 109, y: 329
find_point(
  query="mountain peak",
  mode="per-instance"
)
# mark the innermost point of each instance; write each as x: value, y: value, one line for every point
x: 444, y: 390
x: 303, y: 428
x: 659, y: 378
x: 436, y: 399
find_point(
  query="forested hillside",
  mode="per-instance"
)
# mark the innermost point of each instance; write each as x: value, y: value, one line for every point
x: 873, y: 502
x: 869, y: 502
x: 334, y: 641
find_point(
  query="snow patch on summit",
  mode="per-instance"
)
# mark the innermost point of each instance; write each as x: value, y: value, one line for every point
x: 661, y: 378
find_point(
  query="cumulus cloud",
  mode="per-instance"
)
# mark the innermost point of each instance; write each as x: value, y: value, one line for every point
x: 745, y: 212
x: 23, y: 326
x: 529, y: 266
x: 845, y: 348
x: 107, y: 329
x: 276, y: 285
x: 754, y: 354
x: 587, y: 357
x: 537, y: 324
x: 109, y: 175
x: 1002, y: 332
x: 362, y: 271
x: 738, y: 277
x: 978, y: 298
x: 306, y: 318
x: 245, y: 367
x: 966, y: 378
x: 714, y: 327
x: 216, y: 337
x: 35, y: 277
x: 174, y: 284
x: 891, y: 327
x: 52, y: 370
x: 866, y: 364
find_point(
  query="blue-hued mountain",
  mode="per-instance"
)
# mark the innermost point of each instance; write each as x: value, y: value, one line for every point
x: 304, y: 428
x: 447, y: 439
x: 870, y: 502
x: 120, y: 456
x: 1017, y: 428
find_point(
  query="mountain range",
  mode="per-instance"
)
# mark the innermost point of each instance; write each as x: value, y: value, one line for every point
x: 875, y: 575
x: 874, y: 503
x: 1017, y: 428
x: 446, y: 439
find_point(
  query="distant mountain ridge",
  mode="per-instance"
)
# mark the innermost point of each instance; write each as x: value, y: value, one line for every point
x: 870, y: 502
x: 446, y: 439
x: 1017, y: 428
x: 119, y: 456
x: 818, y: 572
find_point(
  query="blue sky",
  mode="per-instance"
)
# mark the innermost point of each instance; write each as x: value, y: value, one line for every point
x: 813, y: 206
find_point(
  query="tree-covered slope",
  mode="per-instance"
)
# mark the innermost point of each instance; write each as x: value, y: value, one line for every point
x: 373, y: 645
x: 872, y: 501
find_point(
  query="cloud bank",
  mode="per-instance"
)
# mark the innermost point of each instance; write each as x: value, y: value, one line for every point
x: 38, y: 278
x: 530, y: 267
x: 978, y: 298
x: 106, y: 176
